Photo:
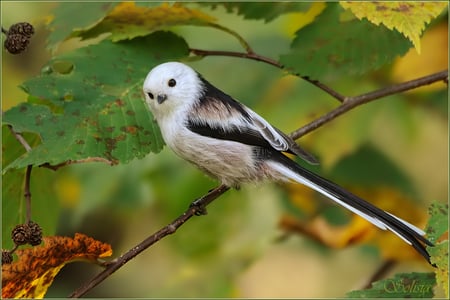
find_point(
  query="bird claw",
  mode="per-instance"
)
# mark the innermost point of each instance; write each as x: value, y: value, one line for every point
x: 200, y: 207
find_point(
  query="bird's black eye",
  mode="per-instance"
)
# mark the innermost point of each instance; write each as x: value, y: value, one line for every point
x: 172, y: 82
x: 150, y: 95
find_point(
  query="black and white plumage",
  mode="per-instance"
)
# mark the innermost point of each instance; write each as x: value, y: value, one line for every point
x: 233, y: 144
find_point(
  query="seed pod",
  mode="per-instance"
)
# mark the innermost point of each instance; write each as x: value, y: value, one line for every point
x: 22, y: 28
x: 6, y: 257
x: 19, y: 234
x: 16, y: 43
x: 35, y: 233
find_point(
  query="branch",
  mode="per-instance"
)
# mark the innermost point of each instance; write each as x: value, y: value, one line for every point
x: 241, y: 40
x: 79, y: 161
x: 27, y: 193
x: 270, y: 61
x: 20, y: 138
x: 198, y: 207
x: 352, y: 102
x: 385, y: 268
x: 348, y: 103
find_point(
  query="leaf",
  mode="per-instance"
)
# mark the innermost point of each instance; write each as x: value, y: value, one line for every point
x: 127, y: 21
x: 262, y: 10
x: 36, y: 267
x: 438, y: 223
x: 96, y: 110
x: 334, y: 47
x: 64, y: 23
x: 402, y: 285
x: 408, y: 18
x: 370, y: 167
x: 437, y: 232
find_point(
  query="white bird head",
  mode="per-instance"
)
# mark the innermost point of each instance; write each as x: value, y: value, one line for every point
x: 171, y: 87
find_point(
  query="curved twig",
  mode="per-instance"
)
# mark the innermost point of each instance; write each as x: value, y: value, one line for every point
x: 270, y: 61
x: 169, y: 229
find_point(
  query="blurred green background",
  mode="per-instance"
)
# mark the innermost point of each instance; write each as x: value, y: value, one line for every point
x: 236, y: 250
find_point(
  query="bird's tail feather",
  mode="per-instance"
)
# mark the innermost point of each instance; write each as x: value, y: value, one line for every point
x: 380, y: 218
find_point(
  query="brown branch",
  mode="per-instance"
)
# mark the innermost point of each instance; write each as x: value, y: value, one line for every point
x: 387, y: 266
x: 198, y: 207
x: 352, y: 102
x: 270, y: 61
x: 27, y: 193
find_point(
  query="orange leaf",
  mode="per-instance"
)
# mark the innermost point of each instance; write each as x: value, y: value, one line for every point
x: 34, y: 271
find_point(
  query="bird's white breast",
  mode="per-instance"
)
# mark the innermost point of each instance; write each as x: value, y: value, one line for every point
x: 230, y: 162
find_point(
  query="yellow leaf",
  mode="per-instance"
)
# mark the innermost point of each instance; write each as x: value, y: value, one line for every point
x: 409, y: 18
x: 439, y: 256
x: 434, y: 58
x: 36, y: 267
x: 127, y: 20
x: 357, y: 230
x: 295, y: 21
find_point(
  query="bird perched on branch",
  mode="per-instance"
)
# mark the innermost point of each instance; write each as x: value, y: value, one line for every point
x: 232, y: 143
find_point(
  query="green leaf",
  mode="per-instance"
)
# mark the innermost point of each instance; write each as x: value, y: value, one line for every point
x: 437, y: 227
x: 266, y: 11
x: 402, y: 285
x: 332, y: 45
x: 438, y: 223
x: 127, y: 20
x: 371, y: 168
x: 64, y: 22
x: 97, y: 109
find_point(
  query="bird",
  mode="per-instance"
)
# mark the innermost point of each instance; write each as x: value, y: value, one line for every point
x: 234, y: 145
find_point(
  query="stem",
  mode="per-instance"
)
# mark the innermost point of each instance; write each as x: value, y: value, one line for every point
x: 79, y: 161
x: 20, y: 138
x: 380, y: 272
x: 27, y: 193
x: 171, y: 228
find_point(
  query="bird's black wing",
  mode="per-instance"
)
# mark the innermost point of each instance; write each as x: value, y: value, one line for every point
x: 218, y: 115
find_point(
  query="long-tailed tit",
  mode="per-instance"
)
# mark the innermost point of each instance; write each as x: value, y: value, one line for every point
x: 233, y: 144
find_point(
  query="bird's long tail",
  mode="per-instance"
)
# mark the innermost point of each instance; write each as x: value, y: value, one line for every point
x: 409, y: 233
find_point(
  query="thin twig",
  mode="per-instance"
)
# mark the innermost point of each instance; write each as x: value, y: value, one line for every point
x: 27, y: 193
x: 270, y: 61
x: 387, y: 266
x: 20, y: 138
x: 79, y: 161
x: 171, y: 228
x: 352, y: 102
x: 241, y: 40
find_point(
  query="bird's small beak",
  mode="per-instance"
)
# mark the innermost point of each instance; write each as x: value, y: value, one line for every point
x: 161, y: 98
